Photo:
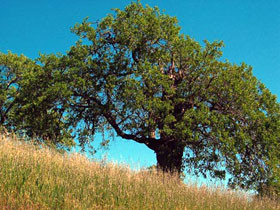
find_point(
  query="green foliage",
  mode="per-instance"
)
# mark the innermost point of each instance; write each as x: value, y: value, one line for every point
x: 136, y: 74
x: 31, y: 97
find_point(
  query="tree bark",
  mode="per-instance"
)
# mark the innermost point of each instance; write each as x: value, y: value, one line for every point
x: 170, y: 157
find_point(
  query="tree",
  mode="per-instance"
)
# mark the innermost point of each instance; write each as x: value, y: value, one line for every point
x: 136, y: 72
x: 30, y: 96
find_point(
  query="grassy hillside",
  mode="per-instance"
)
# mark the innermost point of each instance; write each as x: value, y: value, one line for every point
x: 33, y: 178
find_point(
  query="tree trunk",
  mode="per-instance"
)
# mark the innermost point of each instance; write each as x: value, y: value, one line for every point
x: 170, y: 157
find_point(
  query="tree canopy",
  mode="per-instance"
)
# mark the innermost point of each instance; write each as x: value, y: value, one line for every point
x: 136, y: 74
x: 30, y: 100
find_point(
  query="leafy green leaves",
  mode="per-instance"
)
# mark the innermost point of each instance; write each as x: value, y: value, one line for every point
x: 32, y: 99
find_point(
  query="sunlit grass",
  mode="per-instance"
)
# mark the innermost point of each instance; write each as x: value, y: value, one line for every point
x: 33, y: 178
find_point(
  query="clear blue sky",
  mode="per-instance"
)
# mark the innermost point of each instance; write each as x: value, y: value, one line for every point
x: 250, y: 30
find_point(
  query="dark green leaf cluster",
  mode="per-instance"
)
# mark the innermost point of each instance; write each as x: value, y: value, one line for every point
x: 32, y: 93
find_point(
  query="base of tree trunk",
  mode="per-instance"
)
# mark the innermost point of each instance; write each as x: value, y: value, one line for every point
x: 170, y: 158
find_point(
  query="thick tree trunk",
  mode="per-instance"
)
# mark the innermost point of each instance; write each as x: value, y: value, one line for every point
x: 170, y: 157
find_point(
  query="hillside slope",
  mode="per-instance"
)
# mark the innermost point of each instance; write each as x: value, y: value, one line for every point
x: 34, y: 178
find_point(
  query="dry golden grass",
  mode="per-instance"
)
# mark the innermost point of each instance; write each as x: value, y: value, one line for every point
x: 33, y: 178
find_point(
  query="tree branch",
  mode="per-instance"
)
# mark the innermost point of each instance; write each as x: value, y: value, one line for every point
x: 152, y: 143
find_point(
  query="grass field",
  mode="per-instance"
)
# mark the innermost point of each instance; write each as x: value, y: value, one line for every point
x: 34, y: 178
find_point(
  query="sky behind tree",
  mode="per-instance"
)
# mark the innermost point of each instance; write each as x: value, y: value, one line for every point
x: 250, y: 30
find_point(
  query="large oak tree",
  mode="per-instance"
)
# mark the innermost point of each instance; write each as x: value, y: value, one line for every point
x: 135, y: 73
